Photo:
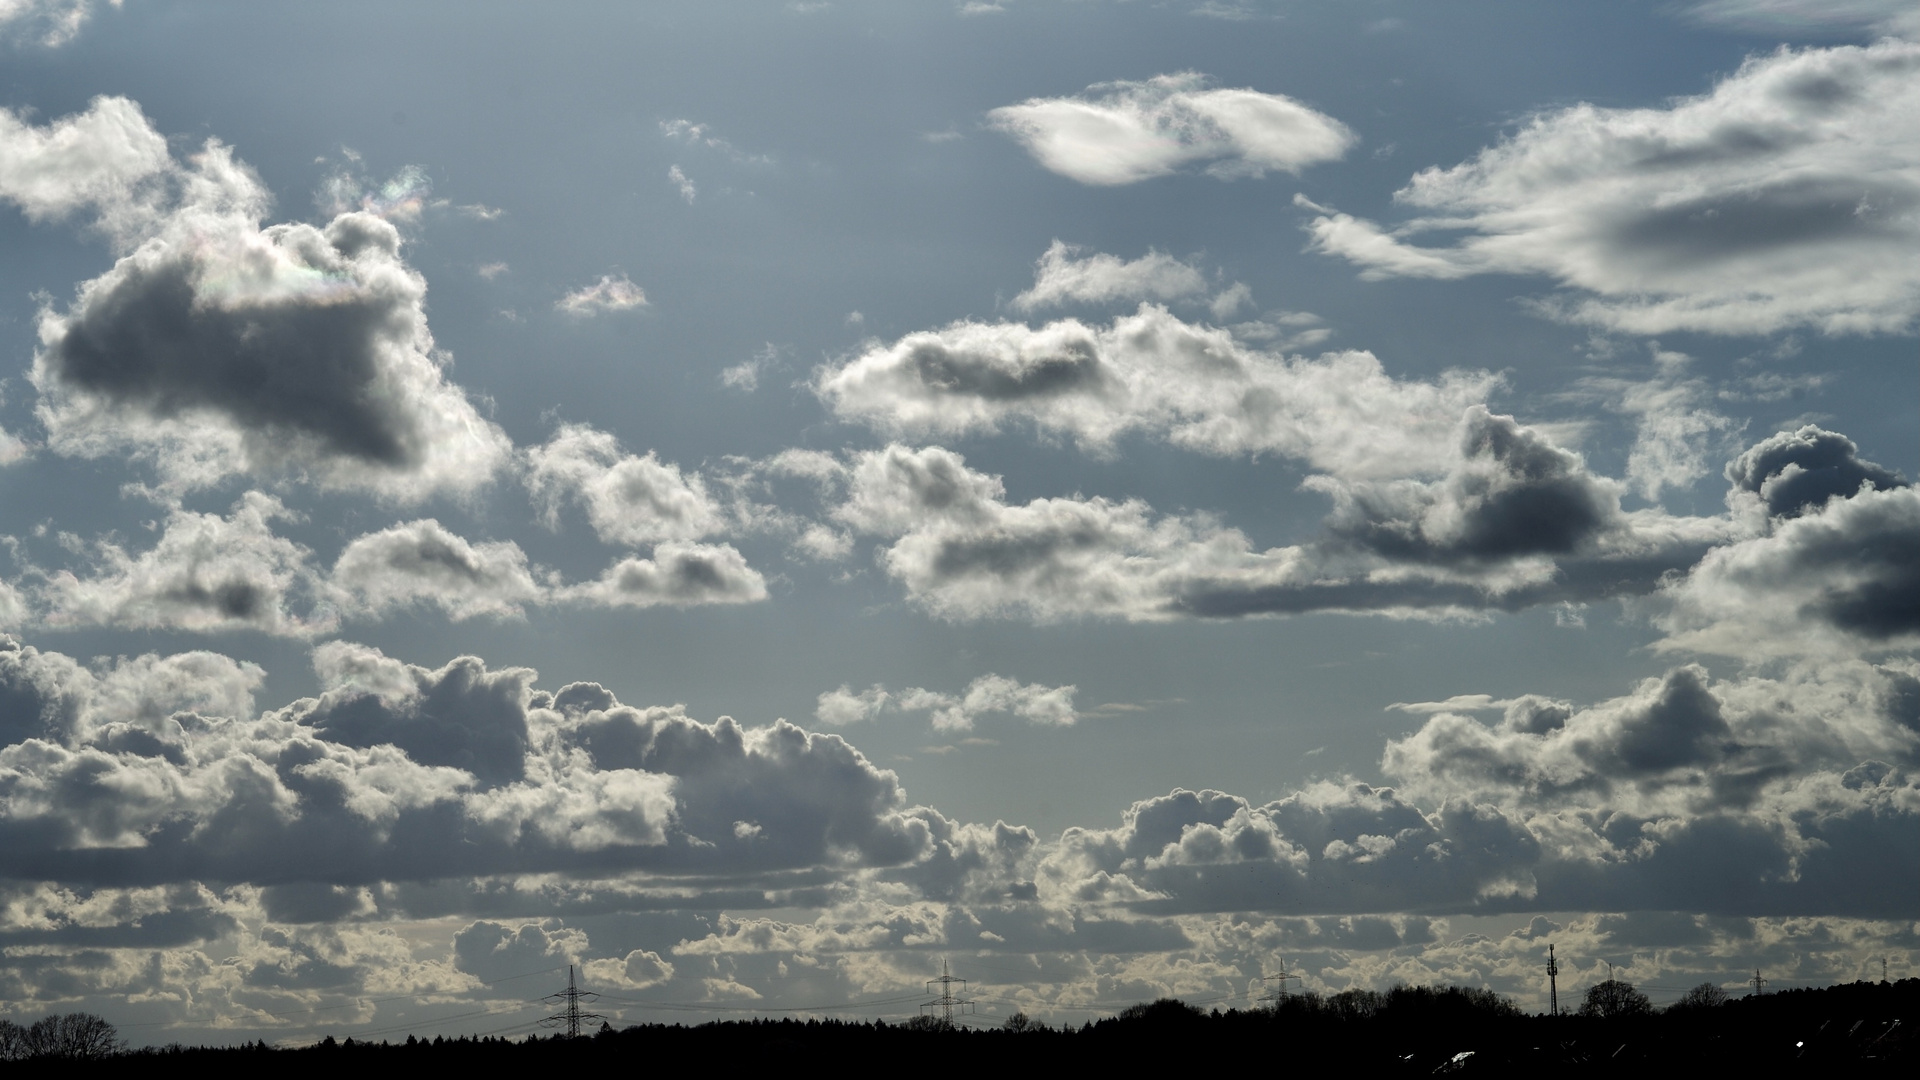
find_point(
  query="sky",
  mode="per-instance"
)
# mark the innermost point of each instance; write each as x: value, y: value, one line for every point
x: 756, y: 501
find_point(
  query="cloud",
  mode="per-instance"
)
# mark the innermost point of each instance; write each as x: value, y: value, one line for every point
x: 1150, y: 372
x: 678, y: 575
x: 489, y: 950
x: 125, y: 702
x: 215, y: 346
x: 1329, y: 848
x: 950, y: 712
x: 681, y: 181
x: 1689, y: 826
x: 1060, y: 278
x: 206, y: 573
x: 1685, y: 795
x: 1785, y: 197
x: 745, y: 375
x: 1843, y: 578
x: 79, y: 161
x: 1777, y: 783
x: 702, y: 136
x: 629, y: 500
x: 420, y: 562
x: 156, y: 771
x: 1513, y: 493
x: 1514, y: 521
x: 50, y: 23
x: 842, y: 706
x: 610, y: 293
x: 1769, y: 16
x: 401, y: 198
x: 638, y: 970
x: 1793, y: 472
x: 1675, y: 430
x: 1045, y: 705
x: 214, y: 574
x: 1136, y: 131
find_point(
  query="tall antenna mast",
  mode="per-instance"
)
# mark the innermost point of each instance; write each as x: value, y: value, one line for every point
x: 570, y: 1014
x: 1759, y: 984
x: 946, y: 1000
x: 1553, y: 984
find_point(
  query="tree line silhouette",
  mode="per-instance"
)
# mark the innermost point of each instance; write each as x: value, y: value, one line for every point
x: 1406, y: 1030
x: 72, y: 1037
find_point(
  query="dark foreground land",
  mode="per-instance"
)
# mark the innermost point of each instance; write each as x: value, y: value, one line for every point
x: 1865, y: 1028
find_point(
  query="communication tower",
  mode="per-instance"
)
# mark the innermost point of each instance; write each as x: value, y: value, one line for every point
x: 1553, y: 984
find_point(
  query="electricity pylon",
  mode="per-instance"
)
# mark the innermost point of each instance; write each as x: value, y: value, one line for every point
x: 946, y: 1000
x: 571, y: 1015
x: 1279, y: 992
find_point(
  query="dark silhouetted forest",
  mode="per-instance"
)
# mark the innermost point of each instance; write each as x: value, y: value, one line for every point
x: 1409, y: 1031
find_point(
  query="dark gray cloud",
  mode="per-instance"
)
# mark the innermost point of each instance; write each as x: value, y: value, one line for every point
x: 461, y: 715
x: 1511, y: 522
x: 1513, y: 493
x: 1796, y: 471
x: 216, y: 345
x: 1841, y: 577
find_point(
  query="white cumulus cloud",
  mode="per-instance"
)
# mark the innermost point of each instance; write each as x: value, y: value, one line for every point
x: 1125, y: 132
x: 611, y: 293
x: 1151, y: 372
x: 1064, y: 276
x: 629, y: 499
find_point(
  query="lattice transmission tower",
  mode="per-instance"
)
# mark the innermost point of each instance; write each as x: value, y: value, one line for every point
x: 945, y: 1001
x: 1279, y: 992
x: 570, y: 1014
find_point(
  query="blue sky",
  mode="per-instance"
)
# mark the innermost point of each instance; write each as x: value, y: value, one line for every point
x: 1161, y: 490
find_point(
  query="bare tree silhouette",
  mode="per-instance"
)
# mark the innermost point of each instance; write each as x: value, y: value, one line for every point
x: 1704, y: 996
x: 73, y: 1037
x: 1614, y: 1000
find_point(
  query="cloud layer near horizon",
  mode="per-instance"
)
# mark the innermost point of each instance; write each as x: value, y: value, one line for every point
x: 453, y: 795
